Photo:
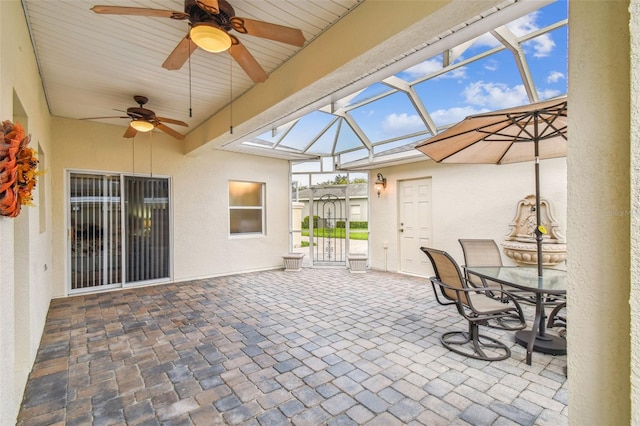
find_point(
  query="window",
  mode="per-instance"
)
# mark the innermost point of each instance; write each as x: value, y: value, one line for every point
x: 246, y: 208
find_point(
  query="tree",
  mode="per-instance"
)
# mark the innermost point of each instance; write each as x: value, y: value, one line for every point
x: 342, y: 180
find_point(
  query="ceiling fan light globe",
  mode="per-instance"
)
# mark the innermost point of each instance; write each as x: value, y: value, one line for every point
x: 142, y: 125
x: 210, y: 38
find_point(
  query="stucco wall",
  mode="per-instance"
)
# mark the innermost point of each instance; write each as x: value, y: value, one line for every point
x: 202, y: 246
x: 25, y: 250
x: 468, y: 201
x: 635, y: 210
x: 598, y: 214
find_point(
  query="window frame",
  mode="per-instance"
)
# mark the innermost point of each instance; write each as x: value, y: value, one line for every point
x: 261, y: 208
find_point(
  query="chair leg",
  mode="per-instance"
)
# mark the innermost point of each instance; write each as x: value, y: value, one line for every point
x: 555, y: 318
x: 479, y: 346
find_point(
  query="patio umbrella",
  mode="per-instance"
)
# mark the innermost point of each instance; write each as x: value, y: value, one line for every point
x: 526, y: 133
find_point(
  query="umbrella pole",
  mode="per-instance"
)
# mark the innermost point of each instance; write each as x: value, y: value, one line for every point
x: 538, y: 232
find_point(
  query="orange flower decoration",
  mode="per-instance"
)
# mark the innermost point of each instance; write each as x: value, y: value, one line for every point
x: 18, y: 164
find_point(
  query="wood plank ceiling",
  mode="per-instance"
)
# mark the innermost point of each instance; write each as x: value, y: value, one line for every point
x: 92, y: 65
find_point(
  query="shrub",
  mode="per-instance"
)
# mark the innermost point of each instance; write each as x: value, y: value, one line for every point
x: 305, y: 222
x: 355, y: 224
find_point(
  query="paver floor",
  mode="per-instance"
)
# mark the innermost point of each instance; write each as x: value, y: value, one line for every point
x: 319, y: 346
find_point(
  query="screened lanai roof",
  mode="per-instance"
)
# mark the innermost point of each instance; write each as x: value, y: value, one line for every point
x: 517, y: 62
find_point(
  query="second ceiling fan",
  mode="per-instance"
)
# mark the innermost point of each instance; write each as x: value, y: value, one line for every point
x: 210, y: 22
x: 144, y: 120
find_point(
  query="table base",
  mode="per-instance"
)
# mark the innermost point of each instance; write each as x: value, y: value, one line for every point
x: 549, y: 344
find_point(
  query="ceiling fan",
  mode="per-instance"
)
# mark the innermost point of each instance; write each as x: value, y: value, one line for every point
x: 145, y: 120
x: 210, y: 22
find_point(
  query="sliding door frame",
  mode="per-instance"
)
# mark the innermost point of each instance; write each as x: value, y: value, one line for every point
x: 123, y: 255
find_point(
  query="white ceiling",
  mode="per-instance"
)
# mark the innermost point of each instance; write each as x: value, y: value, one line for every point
x: 92, y: 65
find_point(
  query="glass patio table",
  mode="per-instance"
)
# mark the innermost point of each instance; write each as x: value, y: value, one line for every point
x: 518, y: 279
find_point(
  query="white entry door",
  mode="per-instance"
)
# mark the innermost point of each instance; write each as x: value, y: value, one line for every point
x: 415, y: 225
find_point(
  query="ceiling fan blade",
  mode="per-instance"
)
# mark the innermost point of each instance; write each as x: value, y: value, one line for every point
x: 267, y: 30
x: 210, y: 6
x: 139, y: 11
x: 130, y: 132
x: 247, y: 61
x: 180, y: 54
x: 100, y: 118
x: 169, y: 131
x: 171, y: 121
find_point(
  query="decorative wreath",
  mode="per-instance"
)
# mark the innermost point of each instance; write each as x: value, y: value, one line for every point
x: 18, y: 173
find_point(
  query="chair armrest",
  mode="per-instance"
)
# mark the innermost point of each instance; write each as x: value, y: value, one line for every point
x: 504, y: 298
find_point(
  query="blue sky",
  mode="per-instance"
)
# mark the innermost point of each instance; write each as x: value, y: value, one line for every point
x: 487, y: 84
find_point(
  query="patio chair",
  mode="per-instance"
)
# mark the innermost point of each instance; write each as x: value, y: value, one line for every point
x: 558, y: 318
x: 485, y: 252
x: 476, y: 305
x: 481, y: 252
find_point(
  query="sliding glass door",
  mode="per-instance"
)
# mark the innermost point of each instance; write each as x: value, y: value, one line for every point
x: 146, y: 228
x: 94, y: 231
x: 118, y: 231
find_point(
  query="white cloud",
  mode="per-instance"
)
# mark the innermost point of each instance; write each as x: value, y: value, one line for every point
x: 495, y: 95
x: 487, y: 40
x: 408, y: 123
x: 434, y: 65
x: 482, y: 97
x: 542, y: 45
x: 457, y: 74
x: 491, y: 65
x: 555, y: 76
x: 454, y: 115
x: 524, y: 25
x: 549, y: 93
x: 424, y: 68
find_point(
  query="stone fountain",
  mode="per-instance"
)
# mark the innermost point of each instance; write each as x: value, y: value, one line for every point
x: 520, y: 244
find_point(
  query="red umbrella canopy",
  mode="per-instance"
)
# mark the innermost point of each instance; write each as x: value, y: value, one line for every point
x: 504, y: 136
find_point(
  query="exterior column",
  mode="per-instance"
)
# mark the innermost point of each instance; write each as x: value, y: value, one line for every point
x: 598, y: 213
x: 296, y: 223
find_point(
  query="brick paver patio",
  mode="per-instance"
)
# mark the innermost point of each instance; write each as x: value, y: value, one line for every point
x: 319, y: 346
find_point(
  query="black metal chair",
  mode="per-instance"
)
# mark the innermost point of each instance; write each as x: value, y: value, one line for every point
x: 477, y: 306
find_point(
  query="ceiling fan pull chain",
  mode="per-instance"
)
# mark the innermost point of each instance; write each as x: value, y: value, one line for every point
x: 230, y: 96
x: 133, y: 156
x: 190, y: 82
x: 150, y: 155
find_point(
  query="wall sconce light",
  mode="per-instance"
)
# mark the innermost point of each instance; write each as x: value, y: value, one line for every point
x: 380, y: 184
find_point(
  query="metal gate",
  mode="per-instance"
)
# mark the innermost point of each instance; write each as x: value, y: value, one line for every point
x: 330, y: 240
